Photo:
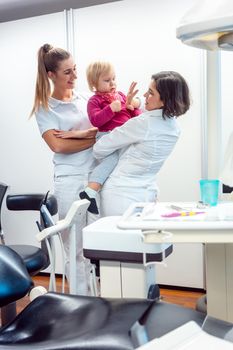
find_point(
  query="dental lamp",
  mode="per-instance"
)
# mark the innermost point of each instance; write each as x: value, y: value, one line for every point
x: 208, y: 25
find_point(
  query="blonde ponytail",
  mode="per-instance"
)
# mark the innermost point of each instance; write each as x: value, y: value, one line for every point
x: 48, y: 60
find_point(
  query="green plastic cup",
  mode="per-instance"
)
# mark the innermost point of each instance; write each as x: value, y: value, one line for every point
x: 209, y: 191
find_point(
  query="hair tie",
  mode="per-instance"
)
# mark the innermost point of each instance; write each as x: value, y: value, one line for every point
x: 47, y: 48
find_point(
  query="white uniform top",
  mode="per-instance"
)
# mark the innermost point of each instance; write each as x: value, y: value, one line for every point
x: 145, y: 142
x: 67, y: 116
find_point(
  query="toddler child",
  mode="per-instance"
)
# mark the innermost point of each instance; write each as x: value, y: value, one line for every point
x: 107, y: 109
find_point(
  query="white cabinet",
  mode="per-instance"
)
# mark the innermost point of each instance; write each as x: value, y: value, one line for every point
x: 184, y: 267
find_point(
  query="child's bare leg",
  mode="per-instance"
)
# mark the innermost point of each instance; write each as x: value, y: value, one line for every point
x: 94, y: 186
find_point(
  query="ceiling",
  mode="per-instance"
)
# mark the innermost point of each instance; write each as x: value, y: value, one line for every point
x: 11, y: 10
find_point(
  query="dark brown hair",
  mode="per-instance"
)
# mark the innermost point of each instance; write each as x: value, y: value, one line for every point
x: 174, y: 93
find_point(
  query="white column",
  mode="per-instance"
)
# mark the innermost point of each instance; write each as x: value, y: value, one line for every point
x: 69, y: 30
x: 214, y: 142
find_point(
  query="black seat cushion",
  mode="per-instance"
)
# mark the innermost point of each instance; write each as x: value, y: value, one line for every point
x: 34, y: 258
x: 164, y: 317
x: 15, y: 280
x: 58, y: 321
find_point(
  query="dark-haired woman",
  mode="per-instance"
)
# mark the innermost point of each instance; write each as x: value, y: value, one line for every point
x: 145, y: 143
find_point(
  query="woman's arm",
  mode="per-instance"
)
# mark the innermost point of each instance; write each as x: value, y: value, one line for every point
x: 133, y: 131
x: 76, y: 134
x: 59, y: 145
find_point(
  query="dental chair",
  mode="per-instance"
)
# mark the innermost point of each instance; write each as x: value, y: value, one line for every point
x: 56, y: 321
x: 35, y: 258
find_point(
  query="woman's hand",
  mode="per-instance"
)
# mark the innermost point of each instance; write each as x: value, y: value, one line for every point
x: 76, y: 134
x: 132, y: 103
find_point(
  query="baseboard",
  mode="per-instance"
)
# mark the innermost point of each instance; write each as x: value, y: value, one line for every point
x: 162, y: 286
x: 47, y: 274
x: 187, y: 289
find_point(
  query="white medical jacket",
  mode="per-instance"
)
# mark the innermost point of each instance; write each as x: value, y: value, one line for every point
x: 144, y: 142
x: 70, y: 115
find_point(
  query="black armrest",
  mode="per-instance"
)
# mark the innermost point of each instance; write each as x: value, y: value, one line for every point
x: 31, y: 202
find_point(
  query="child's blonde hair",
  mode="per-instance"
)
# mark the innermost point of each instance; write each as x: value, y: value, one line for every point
x: 94, y: 70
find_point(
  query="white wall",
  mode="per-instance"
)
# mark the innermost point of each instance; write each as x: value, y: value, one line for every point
x: 227, y: 90
x: 26, y: 162
x: 138, y: 36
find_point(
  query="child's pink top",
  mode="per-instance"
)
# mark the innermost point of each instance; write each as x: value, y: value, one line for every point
x: 101, y: 115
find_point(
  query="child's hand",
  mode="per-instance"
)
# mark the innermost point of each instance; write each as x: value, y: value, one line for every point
x: 116, y: 106
x: 77, y: 134
x: 131, y: 102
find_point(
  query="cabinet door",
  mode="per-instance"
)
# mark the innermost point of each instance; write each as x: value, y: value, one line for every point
x: 184, y: 267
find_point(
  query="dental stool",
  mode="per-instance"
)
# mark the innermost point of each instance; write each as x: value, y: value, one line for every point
x: 35, y: 258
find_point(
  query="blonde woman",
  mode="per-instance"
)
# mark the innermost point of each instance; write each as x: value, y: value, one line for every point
x: 61, y: 108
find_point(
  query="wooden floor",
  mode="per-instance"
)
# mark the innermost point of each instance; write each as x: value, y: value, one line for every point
x: 181, y: 297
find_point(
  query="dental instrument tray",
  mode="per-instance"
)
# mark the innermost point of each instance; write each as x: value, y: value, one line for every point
x: 177, y: 215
